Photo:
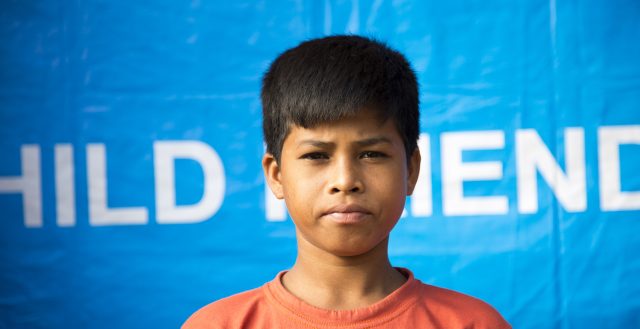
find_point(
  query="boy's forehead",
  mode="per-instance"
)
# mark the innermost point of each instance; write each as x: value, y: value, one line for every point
x: 374, y: 117
x: 362, y: 126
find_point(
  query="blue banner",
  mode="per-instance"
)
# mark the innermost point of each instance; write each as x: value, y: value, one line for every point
x: 131, y: 190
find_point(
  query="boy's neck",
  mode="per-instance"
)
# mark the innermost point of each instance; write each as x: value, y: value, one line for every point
x: 333, y: 282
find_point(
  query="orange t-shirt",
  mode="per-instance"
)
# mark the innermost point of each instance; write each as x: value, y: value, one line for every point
x: 413, y: 305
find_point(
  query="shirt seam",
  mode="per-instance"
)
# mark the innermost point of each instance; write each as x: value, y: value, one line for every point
x: 301, y: 317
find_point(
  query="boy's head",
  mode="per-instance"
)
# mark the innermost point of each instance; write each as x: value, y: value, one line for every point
x: 331, y: 78
x: 341, y: 125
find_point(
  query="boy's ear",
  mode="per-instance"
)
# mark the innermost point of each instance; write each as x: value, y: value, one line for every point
x: 272, y: 174
x: 414, y: 170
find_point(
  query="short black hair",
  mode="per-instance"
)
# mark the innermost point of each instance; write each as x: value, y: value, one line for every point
x: 330, y: 78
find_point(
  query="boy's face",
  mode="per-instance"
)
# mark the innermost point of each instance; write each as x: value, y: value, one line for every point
x: 344, y: 182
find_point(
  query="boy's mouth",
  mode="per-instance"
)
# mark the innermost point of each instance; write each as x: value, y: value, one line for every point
x: 347, y: 214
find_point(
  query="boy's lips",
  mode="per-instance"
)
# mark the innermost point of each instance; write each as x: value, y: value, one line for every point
x: 347, y: 213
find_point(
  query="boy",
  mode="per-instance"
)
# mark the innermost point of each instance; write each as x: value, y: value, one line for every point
x: 341, y: 126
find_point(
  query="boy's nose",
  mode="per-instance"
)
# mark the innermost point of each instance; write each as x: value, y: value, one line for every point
x: 345, y: 178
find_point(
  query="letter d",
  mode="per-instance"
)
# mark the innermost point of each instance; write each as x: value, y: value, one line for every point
x: 165, y: 154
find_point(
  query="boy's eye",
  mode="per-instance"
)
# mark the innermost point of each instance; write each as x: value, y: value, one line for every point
x: 372, y: 154
x: 314, y: 156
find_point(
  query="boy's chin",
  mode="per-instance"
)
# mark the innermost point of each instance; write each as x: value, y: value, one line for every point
x: 347, y: 253
x: 352, y: 251
x: 344, y: 245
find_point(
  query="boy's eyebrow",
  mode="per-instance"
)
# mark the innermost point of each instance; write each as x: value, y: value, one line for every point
x: 374, y: 141
x: 362, y: 143
x: 315, y: 142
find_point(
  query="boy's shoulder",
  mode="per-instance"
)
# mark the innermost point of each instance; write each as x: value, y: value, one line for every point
x: 456, y: 309
x: 224, y: 313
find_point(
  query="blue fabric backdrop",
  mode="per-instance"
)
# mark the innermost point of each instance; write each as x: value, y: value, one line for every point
x: 131, y: 192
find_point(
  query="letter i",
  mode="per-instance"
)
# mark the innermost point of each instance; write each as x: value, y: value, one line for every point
x: 65, y: 187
